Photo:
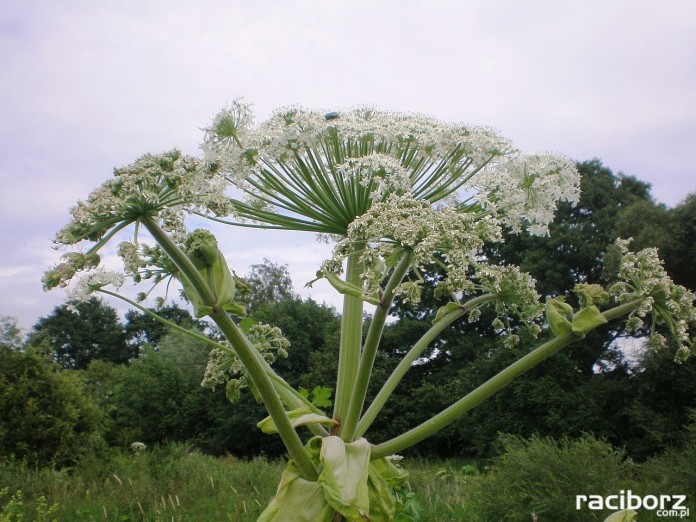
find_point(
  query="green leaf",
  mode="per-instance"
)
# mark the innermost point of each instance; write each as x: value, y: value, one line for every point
x: 246, y: 323
x: 556, y: 312
x: 444, y: 310
x: 587, y: 319
x: 299, y: 417
x: 297, y: 500
x: 321, y: 397
x: 349, y: 289
x: 383, y: 477
x: 235, y: 308
x: 627, y: 515
x: 344, y: 476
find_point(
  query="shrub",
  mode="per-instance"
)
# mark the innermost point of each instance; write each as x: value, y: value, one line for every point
x: 541, y: 477
x: 47, y: 419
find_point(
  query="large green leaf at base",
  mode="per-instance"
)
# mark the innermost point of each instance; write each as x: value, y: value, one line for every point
x: 349, y: 484
x: 297, y: 500
x: 344, y: 476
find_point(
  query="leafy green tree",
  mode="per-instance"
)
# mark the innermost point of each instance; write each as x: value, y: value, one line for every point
x: 266, y: 283
x: 680, y: 251
x: 46, y: 416
x: 10, y: 332
x: 306, y: 324
x: 141, y: 328
x: 76, y: 338
x: 661, y: 399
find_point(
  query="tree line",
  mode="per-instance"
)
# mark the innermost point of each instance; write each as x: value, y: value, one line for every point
x: 87, y: 382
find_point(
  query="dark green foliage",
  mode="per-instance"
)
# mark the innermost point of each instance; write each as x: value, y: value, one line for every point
x: 307, y: 325
x: 680, y: 250
x: 75, y: 339
x: 542, y: 476
x: 46, y: 416
x: 663, y: 397
x: 141, y: 328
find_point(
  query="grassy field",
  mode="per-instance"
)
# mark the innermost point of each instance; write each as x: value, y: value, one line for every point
x: 532, y: 481
x: 171, y: 484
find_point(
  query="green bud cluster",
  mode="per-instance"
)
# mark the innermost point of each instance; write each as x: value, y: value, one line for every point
x: 202, y: 249
x: 61, y: 274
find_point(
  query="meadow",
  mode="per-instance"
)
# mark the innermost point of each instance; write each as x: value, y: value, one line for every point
x: 532, y: 480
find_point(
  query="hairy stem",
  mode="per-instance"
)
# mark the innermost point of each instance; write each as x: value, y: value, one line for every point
x: 369, y: 351
x: 248, y: 355
x: 395, y: 378
x: 494, y: 384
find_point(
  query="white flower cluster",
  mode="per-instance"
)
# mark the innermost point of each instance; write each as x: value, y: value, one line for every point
x: 307, y: 153
x: 359, y: 131
x: 155, y: 185
x: 643, y: 277
x: 379, y: 173
x: 224, y: 367
x: 90, y: 282
x: 402, y: 223
x: 524, y: 190
x: 138, y: 446
x: 515, y: 289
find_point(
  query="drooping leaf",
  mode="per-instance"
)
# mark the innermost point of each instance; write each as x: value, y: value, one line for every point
x: 444, y: 310
x: 383, y: 477
x: 297, y: 500
x: 556, y: 313
x: 349, y: 289
x: 627, y: 515
x: 587, y: 319
x: 344, y: 476
x: 299, y: 417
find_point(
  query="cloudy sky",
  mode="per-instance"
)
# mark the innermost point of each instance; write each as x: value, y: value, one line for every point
x: 87, y: 86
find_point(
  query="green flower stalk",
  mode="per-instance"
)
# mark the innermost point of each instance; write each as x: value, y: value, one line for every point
x: 400, y: 196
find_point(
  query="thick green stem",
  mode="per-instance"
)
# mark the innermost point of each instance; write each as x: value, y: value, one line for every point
x: 351, y: 340
x: 247, y: 353
x: 488, y: 388
x: 369, y: 351
x: 388, y: 388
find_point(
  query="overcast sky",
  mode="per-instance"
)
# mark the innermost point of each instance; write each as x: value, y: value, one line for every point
x: 86, y: 86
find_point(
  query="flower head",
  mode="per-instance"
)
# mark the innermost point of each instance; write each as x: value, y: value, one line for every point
x: 524, y: 190
x: 301, y: 170
x: 92, y: 281
x: 155, y: 185
x: 643, y: 277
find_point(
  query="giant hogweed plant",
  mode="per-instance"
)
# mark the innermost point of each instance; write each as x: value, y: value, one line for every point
x: 399, y: 196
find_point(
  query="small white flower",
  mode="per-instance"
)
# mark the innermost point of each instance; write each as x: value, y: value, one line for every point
x: 90, y: 282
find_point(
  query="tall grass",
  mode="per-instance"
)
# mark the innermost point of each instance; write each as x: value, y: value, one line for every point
x: 534, y: 480
x: 164, y: 484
